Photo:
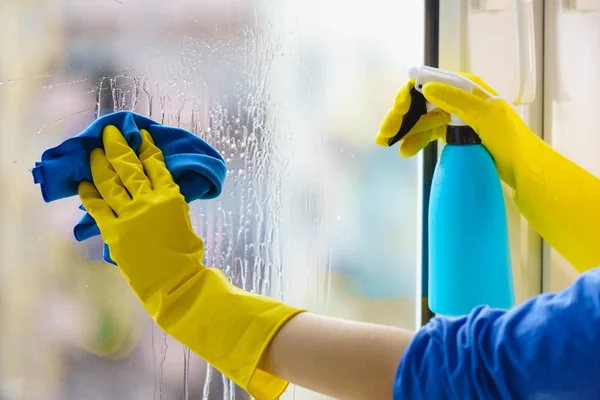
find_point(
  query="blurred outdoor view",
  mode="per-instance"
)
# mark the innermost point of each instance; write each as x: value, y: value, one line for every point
x: 313, y: 212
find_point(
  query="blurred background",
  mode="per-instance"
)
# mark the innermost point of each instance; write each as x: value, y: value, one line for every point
x: 312, y: 212
x: 291, y: 93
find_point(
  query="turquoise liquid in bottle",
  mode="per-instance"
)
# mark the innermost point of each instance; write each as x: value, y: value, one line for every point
x: 469, y: 250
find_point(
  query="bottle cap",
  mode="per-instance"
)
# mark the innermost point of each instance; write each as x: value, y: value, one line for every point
x: 461, y: 135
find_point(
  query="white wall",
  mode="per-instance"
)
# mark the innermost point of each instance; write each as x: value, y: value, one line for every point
x: 571, y: 100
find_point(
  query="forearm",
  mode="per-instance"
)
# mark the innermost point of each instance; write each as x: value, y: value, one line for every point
x: 561, y: 201
x: 338, y: 358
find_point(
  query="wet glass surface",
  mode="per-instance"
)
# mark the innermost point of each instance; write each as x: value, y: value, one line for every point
x: 312, y: 212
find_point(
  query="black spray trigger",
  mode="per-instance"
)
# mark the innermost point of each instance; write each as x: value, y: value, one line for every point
x: 418, y: 108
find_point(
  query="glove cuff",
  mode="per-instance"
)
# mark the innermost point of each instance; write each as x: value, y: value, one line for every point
x: 229, y: 328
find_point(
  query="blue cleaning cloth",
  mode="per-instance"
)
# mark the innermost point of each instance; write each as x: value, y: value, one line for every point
x: 545, y: 348
x: 196, y: 167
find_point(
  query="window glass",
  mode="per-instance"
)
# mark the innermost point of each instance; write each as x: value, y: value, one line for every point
x: 312, y: 212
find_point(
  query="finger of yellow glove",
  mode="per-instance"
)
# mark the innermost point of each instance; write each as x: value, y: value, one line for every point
x: 108, y: 182
x: 402, y: 99
x: 125, y: 162
x: 431, y: 121
x: 392, y: 121
x: 412, y: 145
x: 461, y: 103
x: 94, y: 203
x: 153, y: 161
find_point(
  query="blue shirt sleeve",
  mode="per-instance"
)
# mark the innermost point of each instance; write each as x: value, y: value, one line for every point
x: 545, y: 348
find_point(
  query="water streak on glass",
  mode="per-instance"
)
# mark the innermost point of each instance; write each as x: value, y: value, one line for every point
x: 207, y: 382
x: 154, y: 377
x: 164, y: 348
x: 63, y: 119
x: 186, y: 372
x: 227, y: 394
x: 24, y: 79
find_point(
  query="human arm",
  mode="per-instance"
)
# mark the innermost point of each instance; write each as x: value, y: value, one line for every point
x: 558, y: 198
x: 339, y: 358
x: 260, y: 343
x: 144, y: 220
x: 544, y: 348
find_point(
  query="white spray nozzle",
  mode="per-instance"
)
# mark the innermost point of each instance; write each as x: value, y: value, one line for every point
x: 425, y: 74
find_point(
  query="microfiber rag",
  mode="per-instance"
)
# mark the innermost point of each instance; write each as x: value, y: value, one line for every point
x: 196, y: 167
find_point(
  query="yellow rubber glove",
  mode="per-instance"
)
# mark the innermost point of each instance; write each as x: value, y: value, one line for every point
x: 559, y: 199
x: 144, y: 220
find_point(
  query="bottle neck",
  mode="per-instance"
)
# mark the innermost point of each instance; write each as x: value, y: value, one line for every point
x: 458, y: 135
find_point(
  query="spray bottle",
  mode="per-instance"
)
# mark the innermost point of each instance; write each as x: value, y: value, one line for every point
x: 469, y: 250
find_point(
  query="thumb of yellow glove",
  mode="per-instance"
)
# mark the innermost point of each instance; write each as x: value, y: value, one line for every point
x: 144, y: 220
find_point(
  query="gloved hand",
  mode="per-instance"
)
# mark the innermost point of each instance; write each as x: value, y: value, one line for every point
x: 558, y: 198
x: 430, y: 127
x: 144, y: 219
